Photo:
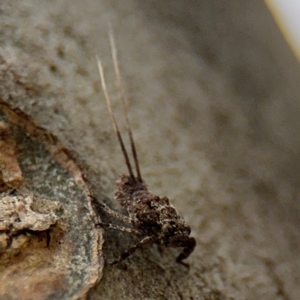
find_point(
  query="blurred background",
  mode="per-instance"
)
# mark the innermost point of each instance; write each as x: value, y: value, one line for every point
x: 286, y: 14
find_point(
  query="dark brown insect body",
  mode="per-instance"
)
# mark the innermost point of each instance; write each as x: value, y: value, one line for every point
x: 151, y: 217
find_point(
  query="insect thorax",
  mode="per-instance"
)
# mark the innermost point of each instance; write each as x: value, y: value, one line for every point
x: 151, y: 213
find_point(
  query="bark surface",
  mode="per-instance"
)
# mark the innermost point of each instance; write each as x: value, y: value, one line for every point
x: 213, y: 93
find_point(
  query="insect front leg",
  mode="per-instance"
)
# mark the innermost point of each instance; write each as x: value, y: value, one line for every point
x: 189, y: 246
x: 145, y: 241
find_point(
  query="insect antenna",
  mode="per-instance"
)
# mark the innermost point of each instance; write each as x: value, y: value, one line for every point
x: 122, y: 97
x: 115, y: 124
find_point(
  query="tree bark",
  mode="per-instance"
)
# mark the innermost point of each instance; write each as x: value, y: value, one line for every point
x: 213, y: 95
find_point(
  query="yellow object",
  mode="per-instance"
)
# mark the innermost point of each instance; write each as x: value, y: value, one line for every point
x: 287, y: 15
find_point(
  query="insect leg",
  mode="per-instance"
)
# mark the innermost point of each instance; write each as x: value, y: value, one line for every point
x: 114, y: 214
x: 145, y: 241
x: 117, y: 227
x: 189, y: 247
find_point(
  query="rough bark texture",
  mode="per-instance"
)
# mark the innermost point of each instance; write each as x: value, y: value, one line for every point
x: 49, y: 246
x: 214, y: 101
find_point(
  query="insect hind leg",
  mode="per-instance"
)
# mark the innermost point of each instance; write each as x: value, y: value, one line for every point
x: 101, y: 206
x: 120, y: 228
x: 148, y: 240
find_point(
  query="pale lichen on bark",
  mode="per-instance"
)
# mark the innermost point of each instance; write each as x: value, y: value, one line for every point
x: 17, y: 215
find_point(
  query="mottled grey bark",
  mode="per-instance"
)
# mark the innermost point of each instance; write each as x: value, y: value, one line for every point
x: 213, y: 94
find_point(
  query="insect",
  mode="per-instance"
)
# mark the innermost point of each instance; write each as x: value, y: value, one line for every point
x: 151, y: 217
